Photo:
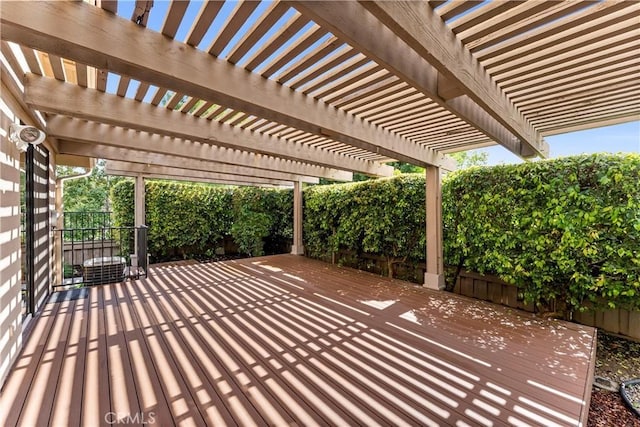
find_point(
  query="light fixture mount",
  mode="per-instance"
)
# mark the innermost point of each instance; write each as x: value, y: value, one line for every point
x: 25, y: 135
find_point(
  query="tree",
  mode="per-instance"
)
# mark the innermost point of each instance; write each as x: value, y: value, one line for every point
x: 467, y: 159
x: 402, y: 167
x: 89, y: 194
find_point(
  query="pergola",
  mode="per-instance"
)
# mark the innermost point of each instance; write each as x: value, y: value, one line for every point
x: 281, y: 93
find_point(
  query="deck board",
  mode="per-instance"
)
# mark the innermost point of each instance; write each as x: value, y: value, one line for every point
x: 286, y: 340
x: 68, y: 394
x: 26, y: 367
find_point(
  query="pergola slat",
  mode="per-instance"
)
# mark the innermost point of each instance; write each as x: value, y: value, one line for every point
x: 32, y: 60
x: 92, y: 133
x: 591, y: 124
x: 552, y: 12
x: 207, y: 77
x: 82, y: 74
x: 328, y: 47
x: 388, y: 89
x: 101, y: 80
x: 141, y: 92
x: 206, y: 15
x: 578, y: 89
x: 236, y: 19
x: 109, y: 5
x: 189, y: 104
x: 123, y: 85
x: 174, y: 16
x: 509, y: 17
x: 175, y: 99
x: 580, y: 97
x: 336, y: 73
x: 483, y: 14
x: 11, y: 59
x: 607, y: 73
x: 46, y: 93
x: 612, y: 96
x: 341, y: 56
x: 257, y: 31
x: 277, y: 40
x: 357, y: 77
x: 145, y: 158
x: 158, y: 96
x: 404, y: 53
x: 585, y: 17
x: 56, y: 67
x: 578, y: 54
x: 453, y: 8
x: 570, y: 42
x: 305, y: 41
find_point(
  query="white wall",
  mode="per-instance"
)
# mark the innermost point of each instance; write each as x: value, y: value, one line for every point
x: 10, y: 274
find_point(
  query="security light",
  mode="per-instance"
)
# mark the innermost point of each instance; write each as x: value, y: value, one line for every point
x: 22, y: 136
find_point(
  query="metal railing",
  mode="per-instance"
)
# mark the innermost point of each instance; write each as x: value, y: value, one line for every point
x: 83, y: 220
x: 91, y: 256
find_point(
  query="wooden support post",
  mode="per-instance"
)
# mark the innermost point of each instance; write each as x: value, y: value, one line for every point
x: 297, y: 248
x: 58, y: 254
x: 139, y: 201
x: 434, y: 275
x: 139, y: 210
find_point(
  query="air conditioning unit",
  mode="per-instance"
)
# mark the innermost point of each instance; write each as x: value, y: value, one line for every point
x: 99, y: 271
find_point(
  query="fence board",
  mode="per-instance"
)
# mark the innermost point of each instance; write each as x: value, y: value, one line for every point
x: 634, y: 324
x: 510, y: 295
x: 480, y: 289
x: 586, y: 318
x: 466, y: 287
x: 611, y: 321
x: 495, y: 292
x: 491, y: 288
x: 624, y: 322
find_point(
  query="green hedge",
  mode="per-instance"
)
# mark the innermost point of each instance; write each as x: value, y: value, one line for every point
x: 566, y: 229
x: 262, y: 219
x: 384, y: 217
x: 121, y: 199
x: 188, y: 220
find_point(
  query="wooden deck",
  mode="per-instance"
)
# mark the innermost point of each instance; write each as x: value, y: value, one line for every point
x: 285, y: 340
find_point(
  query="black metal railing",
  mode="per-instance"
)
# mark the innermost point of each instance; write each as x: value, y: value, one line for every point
x: 92, y: 256
x: 83, y: 220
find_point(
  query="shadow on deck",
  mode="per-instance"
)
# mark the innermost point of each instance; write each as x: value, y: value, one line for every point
x: 286, y: 340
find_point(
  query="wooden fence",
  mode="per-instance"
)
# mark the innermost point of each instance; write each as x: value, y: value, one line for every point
x: 491, y: 288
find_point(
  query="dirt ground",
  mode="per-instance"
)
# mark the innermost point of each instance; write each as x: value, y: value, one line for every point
x: 618, y: 360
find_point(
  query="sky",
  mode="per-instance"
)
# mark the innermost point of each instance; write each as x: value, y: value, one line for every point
x: 622, y: 138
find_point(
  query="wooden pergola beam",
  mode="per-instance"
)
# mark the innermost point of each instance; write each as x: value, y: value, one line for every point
x: 115, y: 167
x: 412, y: 41
x: 57, y: 97
x: 76, y: 31
x: 178, y: 177
x: 578, y: 125
x: 188, y: 165
x: 126, y: 140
